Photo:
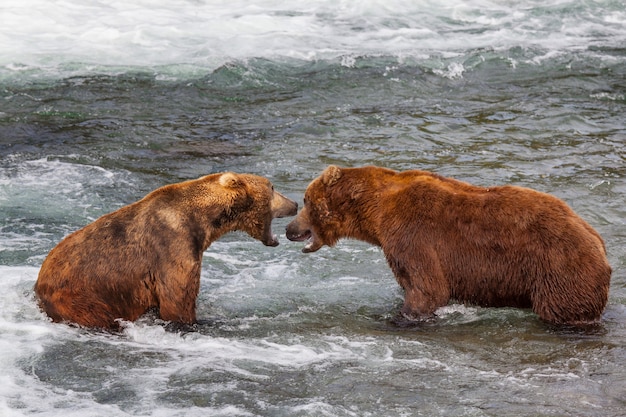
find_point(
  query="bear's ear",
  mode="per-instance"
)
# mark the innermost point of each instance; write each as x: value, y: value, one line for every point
x: 230, y: 180
x: 331, y: 175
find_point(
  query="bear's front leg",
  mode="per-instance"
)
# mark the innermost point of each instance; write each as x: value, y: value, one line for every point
x: 425, y: 287
x: 177, y: 295
x: 417, y: 306
x: 183, y: 311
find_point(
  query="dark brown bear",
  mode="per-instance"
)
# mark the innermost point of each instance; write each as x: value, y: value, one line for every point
x: 148, y: 254
x: 446, y: 239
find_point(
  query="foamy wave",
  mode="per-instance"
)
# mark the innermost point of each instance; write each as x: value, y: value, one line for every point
x: 456, y: 309
x: 609, y: 96
x: 38, y: 183
x: 30, y: 341
x: 25, y: 333
x: 227, y: 352
x: 85, y: 35
x: 454, y: 71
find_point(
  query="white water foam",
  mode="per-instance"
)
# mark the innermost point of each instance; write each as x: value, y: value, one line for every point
x: 24, y: 332
x: 48, y: 188
x: 27, y: 334
x: 47, y: 172
x: 73, y: 36
x: 51, y: 184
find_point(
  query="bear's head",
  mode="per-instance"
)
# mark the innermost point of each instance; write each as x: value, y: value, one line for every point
x: 331, y: 209
x: 252, y: 204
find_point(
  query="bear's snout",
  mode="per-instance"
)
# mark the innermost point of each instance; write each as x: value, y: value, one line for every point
x: 299, y: 231
x: 283, y: 207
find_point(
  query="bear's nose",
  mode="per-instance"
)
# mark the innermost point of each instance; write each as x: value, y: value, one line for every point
x: 294, y: 209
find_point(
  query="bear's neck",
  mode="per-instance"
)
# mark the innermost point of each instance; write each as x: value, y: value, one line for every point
x: 364, y: 223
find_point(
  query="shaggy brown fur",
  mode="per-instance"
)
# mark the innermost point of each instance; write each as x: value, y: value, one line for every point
x: 148, y: 254
x: 445, y: 239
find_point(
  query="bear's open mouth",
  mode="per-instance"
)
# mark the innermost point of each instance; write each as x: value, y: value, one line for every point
x: 301, y: 237
x: 308, y: 236
x: 313, y: 243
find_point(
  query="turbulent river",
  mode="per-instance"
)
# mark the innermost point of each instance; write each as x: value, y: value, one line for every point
x: 101, y: 102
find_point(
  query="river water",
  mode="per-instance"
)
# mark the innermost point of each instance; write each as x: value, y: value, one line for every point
x: 103, y: 101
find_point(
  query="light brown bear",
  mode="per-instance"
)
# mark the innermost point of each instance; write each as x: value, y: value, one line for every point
x: 446, y: 239
x: 148, y: 254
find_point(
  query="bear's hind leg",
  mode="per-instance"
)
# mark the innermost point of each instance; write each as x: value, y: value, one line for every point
x: 73, y: 307
x: 574, y: 294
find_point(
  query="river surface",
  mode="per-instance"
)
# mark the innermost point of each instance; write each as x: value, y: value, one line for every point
x: 103, y: 101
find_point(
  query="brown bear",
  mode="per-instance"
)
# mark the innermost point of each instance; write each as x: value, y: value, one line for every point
x: 446, y: 239
x: 148, y: 254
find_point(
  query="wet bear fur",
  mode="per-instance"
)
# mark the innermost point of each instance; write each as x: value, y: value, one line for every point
x: 148, y: 255
x: 446, y: 239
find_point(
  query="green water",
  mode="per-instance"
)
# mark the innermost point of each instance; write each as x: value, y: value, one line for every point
x: 288, y: 334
